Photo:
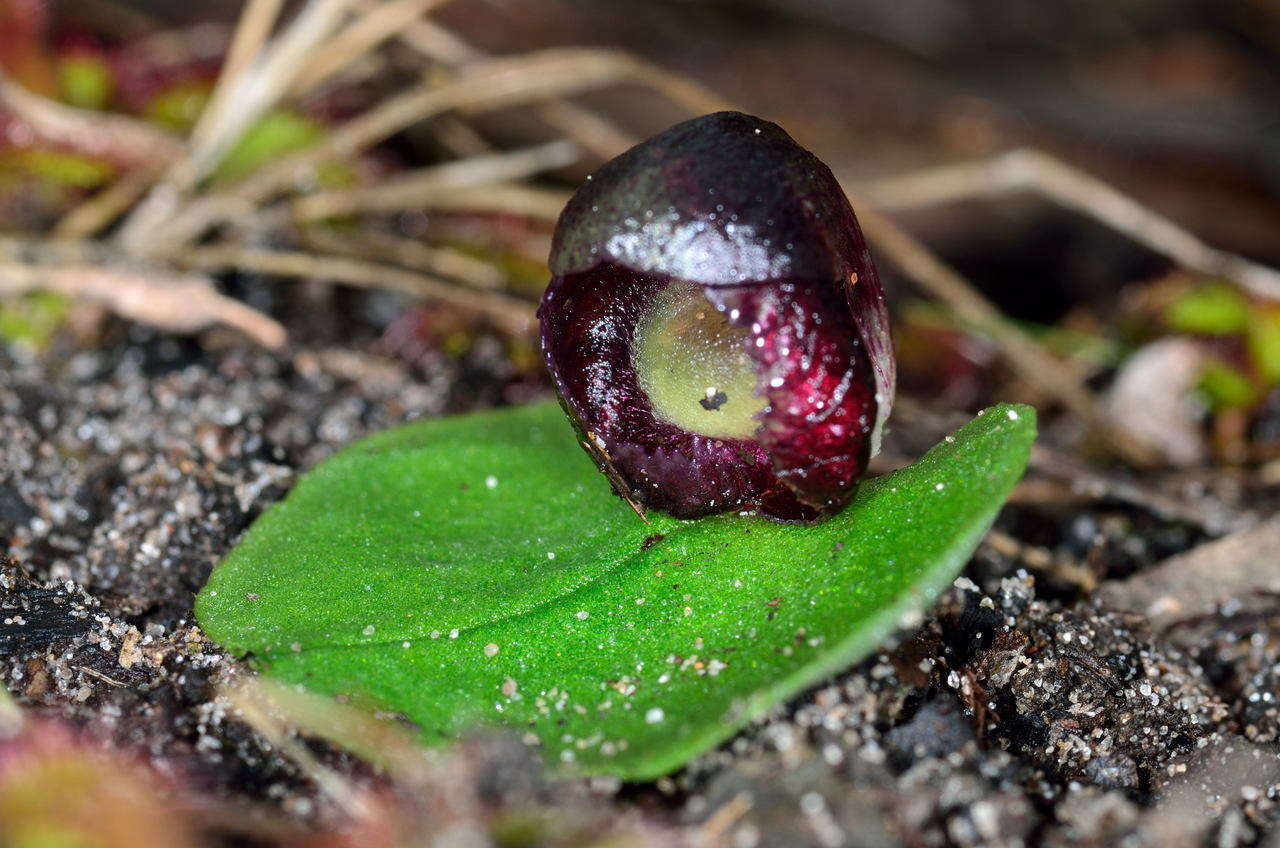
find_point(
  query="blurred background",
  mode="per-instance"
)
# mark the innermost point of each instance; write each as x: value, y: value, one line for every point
x: 237, y: 236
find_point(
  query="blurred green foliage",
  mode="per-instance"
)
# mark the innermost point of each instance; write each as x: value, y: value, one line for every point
x: 277, y: 134
x: 85, y: 81
x: 31, y: 320
x: 1215, y: 309
x: 1223, y: 312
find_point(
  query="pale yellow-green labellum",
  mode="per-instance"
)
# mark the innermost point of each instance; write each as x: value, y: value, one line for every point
x: 694, y: 366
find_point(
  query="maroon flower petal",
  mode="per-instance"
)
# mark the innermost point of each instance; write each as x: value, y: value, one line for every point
x: 715, y: 327
x: 817, y: 426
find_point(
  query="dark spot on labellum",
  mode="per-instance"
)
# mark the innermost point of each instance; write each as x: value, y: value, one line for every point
x: 713, y: 400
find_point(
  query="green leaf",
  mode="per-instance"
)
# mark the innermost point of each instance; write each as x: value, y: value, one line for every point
x: 58, y: 168
x: 31, y: 320
x: 85, y: 81
x: 278, y: 133
x: 1215, y: 309
x: 179, y: 106
x: 1226, y: 387
x: 479, y: 571
x: 1263, y: 340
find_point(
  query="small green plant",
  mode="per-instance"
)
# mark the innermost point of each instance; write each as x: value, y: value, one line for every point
x: 1244, y: 358
x: 30, y: 321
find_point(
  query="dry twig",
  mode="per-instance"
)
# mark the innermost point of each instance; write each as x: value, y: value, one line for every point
x: 1023, y: 353
x: 263, y: 84
x: 1064, y: 569
x: 259, y: 712
x: 508, y: 313
x: 537, y: 204
x: 181, y: 303
x: 252, y: 30
x: 594, y: 132
x: 715, y: 831
x: 11, y: 720
x: 418, y: 188
x: 92, y: 215
x: 380, y: 22
x: 380, y: 741
x: 375, y: 245
x: 114, y: 138
x: 1032, y: 170
x: 460, y: 138
x: 253, y: 92
x: 495, y: 84
x: 438, y: 43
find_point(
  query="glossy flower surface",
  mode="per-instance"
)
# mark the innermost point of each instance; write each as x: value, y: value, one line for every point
x: 715, y: 326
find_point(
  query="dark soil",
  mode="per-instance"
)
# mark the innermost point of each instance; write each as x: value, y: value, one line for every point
x: 1019, y: 712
